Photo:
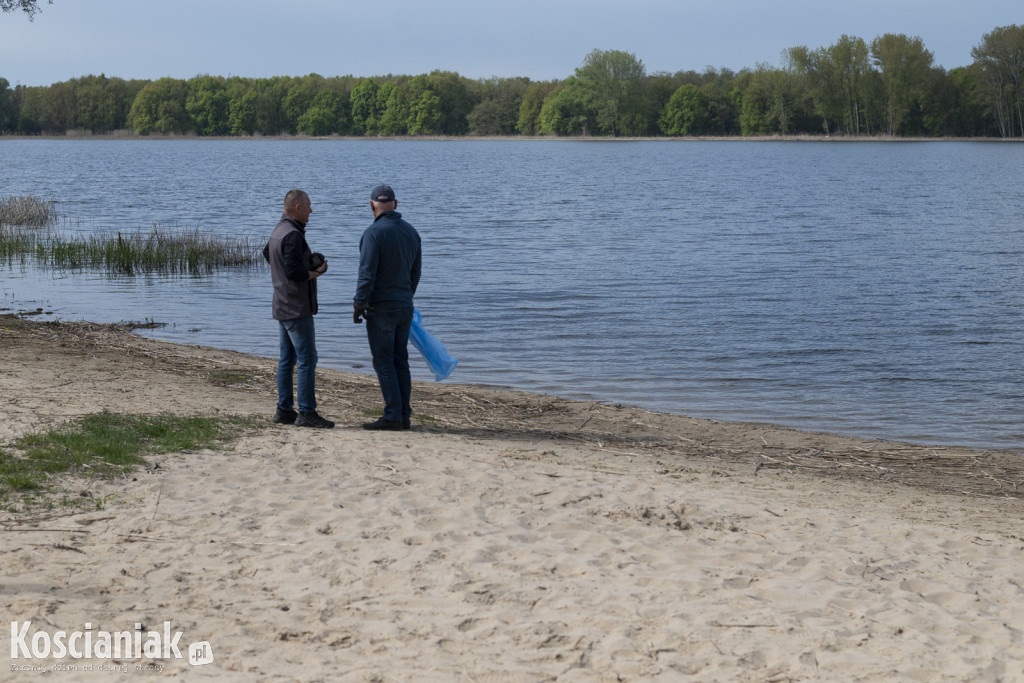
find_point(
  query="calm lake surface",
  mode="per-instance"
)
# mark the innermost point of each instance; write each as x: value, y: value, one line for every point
x: 874, y: 289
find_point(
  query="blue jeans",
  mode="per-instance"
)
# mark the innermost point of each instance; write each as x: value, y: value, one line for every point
x: 298, y: 345
x: 387, y: 330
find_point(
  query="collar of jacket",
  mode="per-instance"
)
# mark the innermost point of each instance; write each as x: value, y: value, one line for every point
x: 298, y: 224
x: 389, y: 214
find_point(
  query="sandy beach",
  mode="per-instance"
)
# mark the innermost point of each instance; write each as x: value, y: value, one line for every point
x: 507, y: 537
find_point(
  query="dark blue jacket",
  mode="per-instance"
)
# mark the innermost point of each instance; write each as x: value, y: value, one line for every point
x: 389, y: 263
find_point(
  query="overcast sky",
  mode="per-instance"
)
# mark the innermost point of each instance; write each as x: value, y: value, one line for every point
x: 541, y: 39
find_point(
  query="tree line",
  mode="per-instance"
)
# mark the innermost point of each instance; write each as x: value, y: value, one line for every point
x: 888, y: 86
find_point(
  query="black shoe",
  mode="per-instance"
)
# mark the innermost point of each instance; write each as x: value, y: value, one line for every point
x: 313, y: 420
x: 381, y: 423
x: 406, y: 423
x: 285, y: 417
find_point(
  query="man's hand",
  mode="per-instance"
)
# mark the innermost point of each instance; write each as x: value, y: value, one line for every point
x: 314, y: 274
x: 358, y: 311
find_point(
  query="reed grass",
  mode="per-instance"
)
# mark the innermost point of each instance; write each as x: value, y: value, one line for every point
x: 157, y: 250
x: 27, y: 211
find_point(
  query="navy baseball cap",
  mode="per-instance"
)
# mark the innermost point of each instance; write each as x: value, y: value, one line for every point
x: 382, y: 193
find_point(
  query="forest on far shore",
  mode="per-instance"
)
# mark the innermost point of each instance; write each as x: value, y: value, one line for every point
x: 889, y: 86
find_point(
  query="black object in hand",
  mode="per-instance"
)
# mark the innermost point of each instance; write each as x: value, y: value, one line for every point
x: 316, y: 259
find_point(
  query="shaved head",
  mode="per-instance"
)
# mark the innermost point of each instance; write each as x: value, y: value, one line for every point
x: 293, y: 198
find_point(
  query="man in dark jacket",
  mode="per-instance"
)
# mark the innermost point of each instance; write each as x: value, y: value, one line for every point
x: 389, y: 272
x: 294, y: 276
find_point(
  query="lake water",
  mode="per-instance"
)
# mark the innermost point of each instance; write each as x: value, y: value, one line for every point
x: 874, y: 289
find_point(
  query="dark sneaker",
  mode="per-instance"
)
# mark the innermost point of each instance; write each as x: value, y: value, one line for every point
x: 313, y: 420
x: 285, y: 417
x: 406, y: 423
x: 381, y: 423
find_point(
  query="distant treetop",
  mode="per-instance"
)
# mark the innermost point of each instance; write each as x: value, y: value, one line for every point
x: 30, y: 7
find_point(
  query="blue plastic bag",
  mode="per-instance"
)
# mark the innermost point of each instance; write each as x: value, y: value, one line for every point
x: 432, y: 350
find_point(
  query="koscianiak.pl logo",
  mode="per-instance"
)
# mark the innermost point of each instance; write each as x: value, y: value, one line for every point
x: 137, y: 646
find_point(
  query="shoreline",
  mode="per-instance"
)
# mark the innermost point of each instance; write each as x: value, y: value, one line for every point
x: 921, y: 444
x: 513, y: 413
x: 800, y: 137
x: 507, y: 537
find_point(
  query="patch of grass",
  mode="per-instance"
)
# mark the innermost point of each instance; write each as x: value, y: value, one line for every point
x: 158, y: 250
x: 104, y: 445
x: 230, y: 378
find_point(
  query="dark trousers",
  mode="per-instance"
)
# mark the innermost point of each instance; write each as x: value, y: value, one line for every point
x: 387, y: 330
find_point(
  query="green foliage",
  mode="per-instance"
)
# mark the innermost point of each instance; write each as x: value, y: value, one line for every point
x: 498, y: 104
x: 299, y: 99
x: 850, y: 87
x: 613, y: 89
x: 31, y: 112
x: 970, y: 110
x: 8, y: 108
x: 528, y: 122
x: 564, y: 111
x: 904, y: 64
x: 60, y: 105
x: 425, y: 114
x: 326, y: 115
x: 847, y: 61
x: 851, y: 55
x: 272, y: 118
x: 607, y: 96
x: 397, y: 106
x: 1000, y: 58
x: 365, y: 112
x: 393, y: 104
x: 771, y: 102
x: 208, y: 103
x: 841, y: 84
x: 490, y: 117
x: 718, y: 88
x: 256, y: 107
x: 160, y: 108
x: 99, y: 104
x: 455, y: 101
x: 660, y: 89
x: 244, y: 113
x: 685, y: 113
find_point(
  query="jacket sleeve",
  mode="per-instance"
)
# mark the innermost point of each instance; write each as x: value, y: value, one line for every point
x: 417, y: 265
x: 293, y: 247
x: 369, y: 259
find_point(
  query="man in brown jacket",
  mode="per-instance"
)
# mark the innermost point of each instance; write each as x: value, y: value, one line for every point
x: 294, y: 273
